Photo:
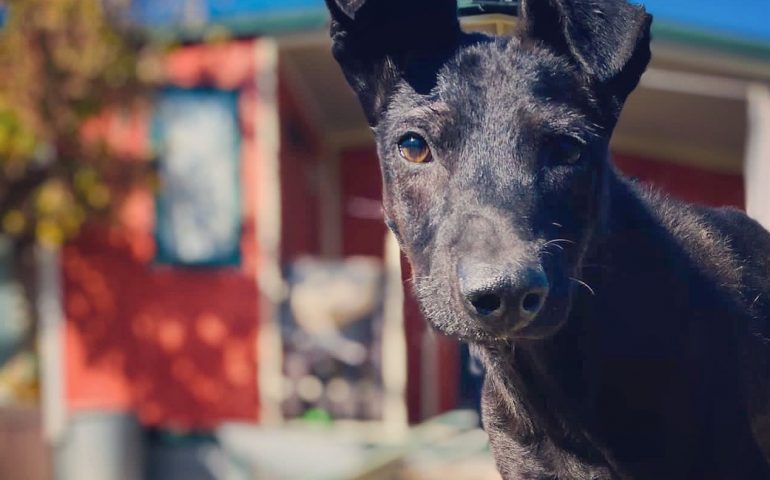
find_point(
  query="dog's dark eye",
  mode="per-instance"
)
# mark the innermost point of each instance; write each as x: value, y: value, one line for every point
x: 414, y: 148
x: 565, y: 151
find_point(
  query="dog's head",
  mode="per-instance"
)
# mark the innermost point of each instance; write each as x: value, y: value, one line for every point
x: 493, y: 150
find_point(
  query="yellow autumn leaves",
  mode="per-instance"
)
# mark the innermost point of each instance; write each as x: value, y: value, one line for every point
x: 57, y: 210
x: 63, y: 62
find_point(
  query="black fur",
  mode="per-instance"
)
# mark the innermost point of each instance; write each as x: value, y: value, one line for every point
x: 649, y: 357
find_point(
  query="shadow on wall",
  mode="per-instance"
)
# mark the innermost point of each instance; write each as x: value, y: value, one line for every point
x: 175, y: 345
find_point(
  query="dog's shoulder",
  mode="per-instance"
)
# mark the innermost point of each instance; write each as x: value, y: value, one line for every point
x: 748, y: 240
x: 723, y: 243
x: 749, y: 246
x: 696, y: 230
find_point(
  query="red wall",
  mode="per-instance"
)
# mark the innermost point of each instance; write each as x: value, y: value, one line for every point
x: 686, y: 183
x: 176, y: 345
x: 300, y: 172
x: 362, y: 221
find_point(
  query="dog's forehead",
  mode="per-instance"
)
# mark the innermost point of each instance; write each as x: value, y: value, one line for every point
x: 508, y: 71
x: 497, y: 78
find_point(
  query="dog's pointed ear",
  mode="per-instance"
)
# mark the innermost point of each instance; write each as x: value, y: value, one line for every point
x: 380, y: 42
x: 608, y: 40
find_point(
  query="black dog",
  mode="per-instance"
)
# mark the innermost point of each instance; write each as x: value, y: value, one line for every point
x: 625, y: 335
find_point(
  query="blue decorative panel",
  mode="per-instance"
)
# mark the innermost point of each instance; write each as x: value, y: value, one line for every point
x: 198, y: 205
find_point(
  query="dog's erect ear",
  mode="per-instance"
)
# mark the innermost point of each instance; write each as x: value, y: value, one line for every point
x: 609, y: 40
x: 380, y: 42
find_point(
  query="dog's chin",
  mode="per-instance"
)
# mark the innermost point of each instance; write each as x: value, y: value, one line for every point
x: 539, y: 328
x: 469, y: 330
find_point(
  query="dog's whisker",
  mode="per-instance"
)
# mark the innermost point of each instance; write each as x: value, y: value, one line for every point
x: 560, y: 240
x: 557, y: 243
x: 587, y: 286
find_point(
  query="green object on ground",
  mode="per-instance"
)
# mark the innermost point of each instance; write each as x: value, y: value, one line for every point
x: 317, y: 416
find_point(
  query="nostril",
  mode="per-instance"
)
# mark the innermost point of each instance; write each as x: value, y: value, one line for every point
x: 531, y: 303
x: 486, y: 304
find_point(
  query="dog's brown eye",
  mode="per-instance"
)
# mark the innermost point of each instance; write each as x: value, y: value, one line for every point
x: 414, y: 148
x: 565, y: 151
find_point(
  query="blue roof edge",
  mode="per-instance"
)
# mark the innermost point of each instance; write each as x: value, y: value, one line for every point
x: 311, y: 19
x: 724, y: 42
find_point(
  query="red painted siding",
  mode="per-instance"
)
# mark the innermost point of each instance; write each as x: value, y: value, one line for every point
x: 686, y: 183
x: 362, y: 221
x: 300, y: 181
x: 178, y: 346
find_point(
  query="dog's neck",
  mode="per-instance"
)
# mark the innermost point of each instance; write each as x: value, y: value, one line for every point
x: 551, y: 387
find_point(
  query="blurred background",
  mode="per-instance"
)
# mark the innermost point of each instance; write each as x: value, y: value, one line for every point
x: 195, y: 278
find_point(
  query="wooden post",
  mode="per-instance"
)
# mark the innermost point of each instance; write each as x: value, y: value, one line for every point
x: 50, y: 341
x: 757, y: 165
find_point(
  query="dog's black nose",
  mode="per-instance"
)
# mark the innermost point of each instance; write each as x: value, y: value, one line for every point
x: 515, y: 295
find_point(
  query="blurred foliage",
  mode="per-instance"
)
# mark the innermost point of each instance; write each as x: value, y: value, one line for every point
x: 18, y: 382
x: 63, y: 63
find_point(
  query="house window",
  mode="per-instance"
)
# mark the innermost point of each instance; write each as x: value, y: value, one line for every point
x: 198, y: 204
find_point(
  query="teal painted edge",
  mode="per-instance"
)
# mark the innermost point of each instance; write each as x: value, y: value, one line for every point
x: 723, y: 42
